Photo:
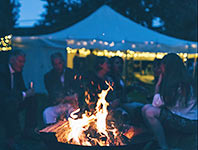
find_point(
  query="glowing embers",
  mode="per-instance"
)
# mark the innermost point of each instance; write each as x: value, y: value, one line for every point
x: 90, y: 128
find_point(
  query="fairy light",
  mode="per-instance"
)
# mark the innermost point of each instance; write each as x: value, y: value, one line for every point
x: 5, y: 43
x: 84, y: 43
x: 193, y: 45
x: 186, y: 46
x: 128, y: 54
x: 78, y: 43
x: 111, y: 44
x: 70, y: 42
x: 106, y: 43
x: 100, y: 42
x: 133, y: 46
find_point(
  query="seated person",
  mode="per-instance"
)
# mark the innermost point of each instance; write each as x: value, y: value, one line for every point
x: 174, y: 105
x: 116, y: 75
x: 65, y: 106
x: 14, y: 98
x: 58, y: 80
x: 97, y: 81
x: 132, y: 109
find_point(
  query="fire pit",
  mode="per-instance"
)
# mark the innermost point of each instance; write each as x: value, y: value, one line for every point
x: 51, y: 142
x: 90, y: 130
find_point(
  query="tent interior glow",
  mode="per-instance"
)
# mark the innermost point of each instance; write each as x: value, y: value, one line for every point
x: 128, y: 54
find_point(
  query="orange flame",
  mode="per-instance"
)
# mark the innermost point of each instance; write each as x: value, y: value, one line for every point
x: 90, y: 129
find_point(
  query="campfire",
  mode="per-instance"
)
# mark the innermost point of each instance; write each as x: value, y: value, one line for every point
x: 91, y: 128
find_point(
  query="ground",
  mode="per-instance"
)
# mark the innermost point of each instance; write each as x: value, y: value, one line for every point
x: 25, y: 143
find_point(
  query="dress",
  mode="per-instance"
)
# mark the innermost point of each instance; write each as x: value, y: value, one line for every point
x: 181, y: 116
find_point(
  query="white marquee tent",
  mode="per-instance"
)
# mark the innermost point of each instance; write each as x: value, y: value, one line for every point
x: 112, y: 31
x: 104, y: 29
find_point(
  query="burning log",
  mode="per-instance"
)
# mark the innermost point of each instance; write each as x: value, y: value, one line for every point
x: 91, y: 128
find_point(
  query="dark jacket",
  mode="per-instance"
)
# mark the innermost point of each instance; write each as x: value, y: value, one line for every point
x: 53, y: 83
x: 8, y: 95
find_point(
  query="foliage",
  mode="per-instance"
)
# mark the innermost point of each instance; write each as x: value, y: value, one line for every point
x: 8, y: 16
x: 178, y: 18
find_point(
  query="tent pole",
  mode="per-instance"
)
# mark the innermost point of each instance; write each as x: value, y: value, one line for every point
x: 194, y: 66
x: 125, y: 69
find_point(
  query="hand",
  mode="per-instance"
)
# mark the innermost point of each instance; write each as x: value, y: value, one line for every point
x: 157, y: 101
x: 160, y: 79
x: 29, y: 93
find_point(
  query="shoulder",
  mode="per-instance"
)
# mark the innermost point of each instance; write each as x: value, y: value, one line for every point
x: 4, y: 68
x: 49, y: 74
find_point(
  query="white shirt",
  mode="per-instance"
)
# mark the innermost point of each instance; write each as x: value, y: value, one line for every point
x: 12, y: 76
x: 63, y: 78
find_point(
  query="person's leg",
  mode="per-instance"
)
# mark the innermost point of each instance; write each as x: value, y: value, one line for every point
x: 134, y: 111
x: 11, y: 125
x: 29, y: 105
x: 151, y: 115
x: 51, y: 114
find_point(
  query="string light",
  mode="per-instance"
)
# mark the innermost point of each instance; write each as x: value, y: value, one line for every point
x: 106, y: 43
x: 186, y: 46
x: 194, y: 46
x: 112, y: 44
x: 5, y: 43
x: 133, y: 46
x: 128, y: 54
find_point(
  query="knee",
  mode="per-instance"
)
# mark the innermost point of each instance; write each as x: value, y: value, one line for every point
x: 49, y: 116
x: 149, y: 112
x: 47, y: 112
x: 145, y: 108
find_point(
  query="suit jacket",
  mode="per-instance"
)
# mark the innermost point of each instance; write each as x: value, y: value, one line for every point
x: 53, y: 83
x: 8, y: 95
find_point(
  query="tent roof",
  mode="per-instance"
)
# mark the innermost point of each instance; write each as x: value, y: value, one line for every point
x: 108, y: 25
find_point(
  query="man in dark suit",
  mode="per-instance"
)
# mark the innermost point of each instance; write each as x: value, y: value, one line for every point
x: 14, y: 97
x: 59, y: 83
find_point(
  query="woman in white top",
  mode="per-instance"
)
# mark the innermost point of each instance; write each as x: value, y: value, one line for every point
x: 174, y: 104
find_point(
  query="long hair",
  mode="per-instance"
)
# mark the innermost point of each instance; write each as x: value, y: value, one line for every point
x: 176, y: 82
x: 99, y: 61
x: 112, y: 60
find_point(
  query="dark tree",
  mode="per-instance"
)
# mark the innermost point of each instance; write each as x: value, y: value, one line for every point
x: 178, y: 17
x: 8, y: 16
x: 64, y: 13
x: 55, y: 12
